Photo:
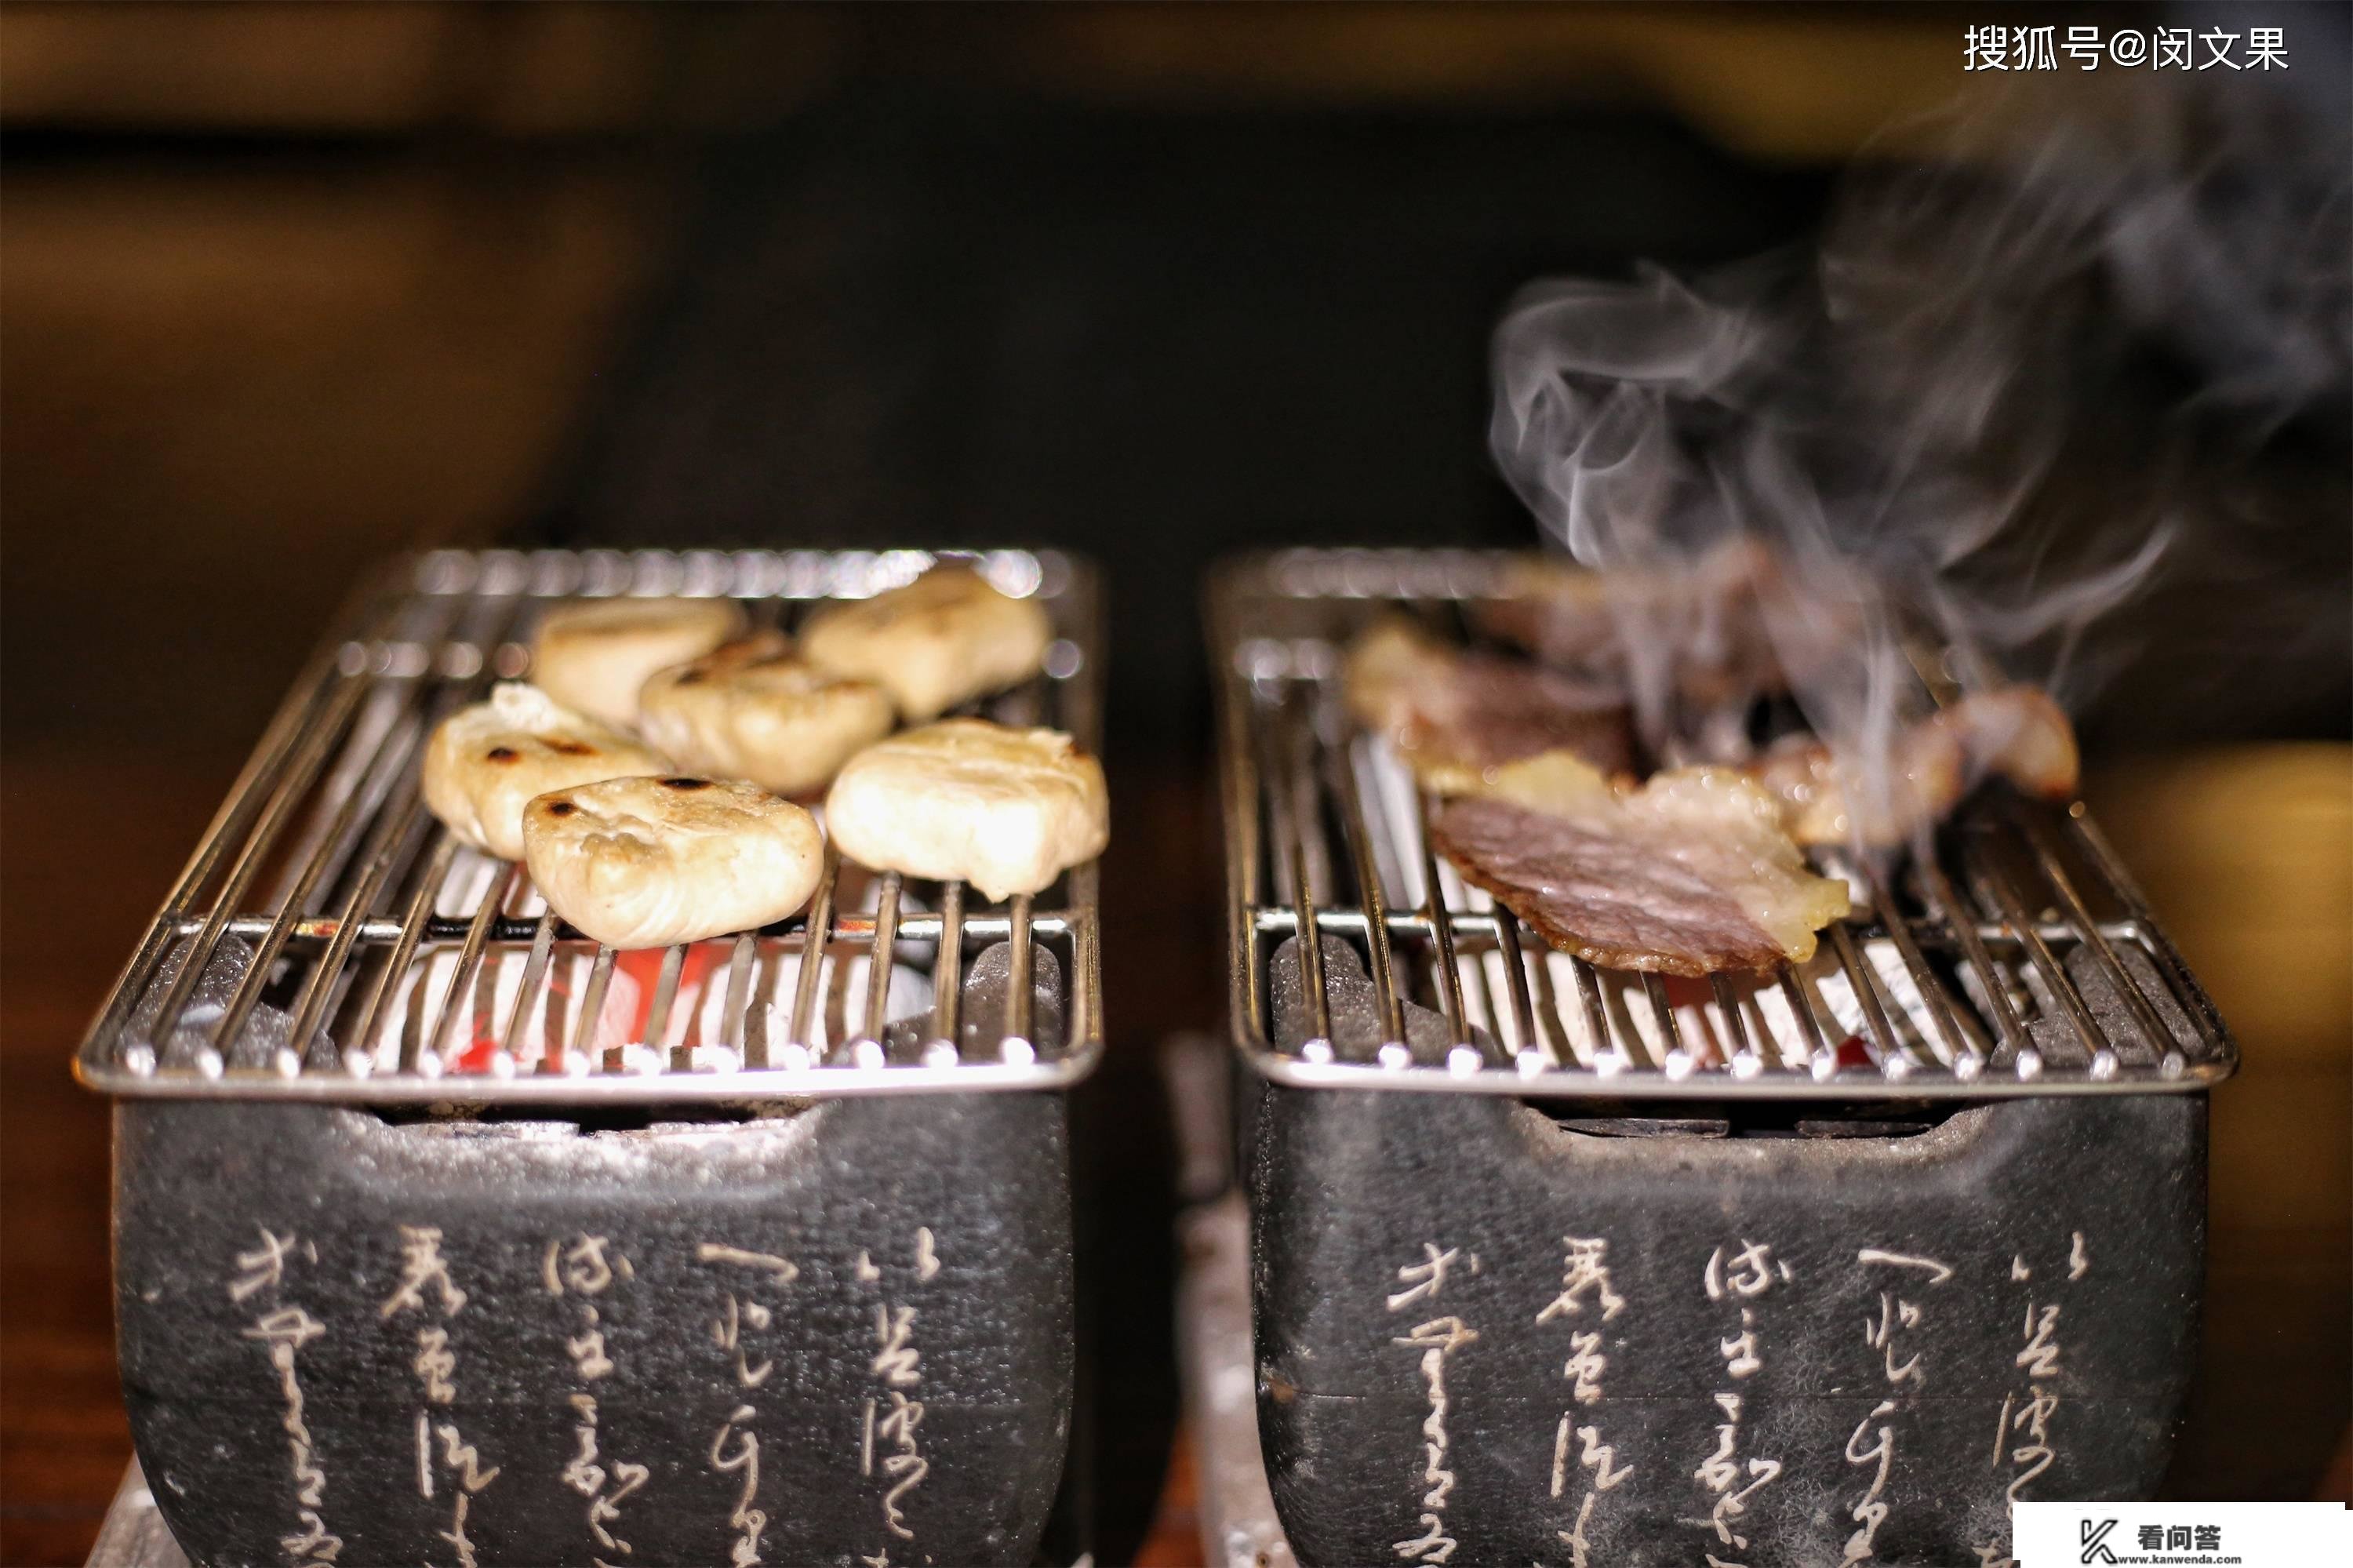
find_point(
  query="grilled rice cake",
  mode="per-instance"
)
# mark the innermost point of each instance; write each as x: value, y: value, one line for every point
x: 649, y: 863
x: 940, y: 641
x: 1006, y: 809
x: 754, y: 709
x: 485, y: 762
x: 595, y: 655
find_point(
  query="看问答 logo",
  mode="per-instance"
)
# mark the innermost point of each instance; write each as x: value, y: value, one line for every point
x: 2096, y: 1541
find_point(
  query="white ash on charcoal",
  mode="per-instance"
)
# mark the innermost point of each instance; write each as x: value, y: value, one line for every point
x: 981, y: 1011
x: 265, y: 1038
x: 2055, y: 1036
x: 1354, y: 1008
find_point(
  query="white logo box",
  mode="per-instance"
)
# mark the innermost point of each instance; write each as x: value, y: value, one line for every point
x: 2180, y: 1535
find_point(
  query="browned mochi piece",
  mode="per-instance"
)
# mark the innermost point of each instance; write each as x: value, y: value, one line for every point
x: 649, y: 863
x: 595, y: 655
x: 755, y: 709
x: 1006, y: 809
x: 1689, y: 875
x: 484, y: 762
x: 1454, y: 716
x: 945, y: 637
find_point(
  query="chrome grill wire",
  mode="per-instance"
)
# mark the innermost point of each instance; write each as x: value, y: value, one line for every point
x: 360, y: 909
x: 1954, y: 997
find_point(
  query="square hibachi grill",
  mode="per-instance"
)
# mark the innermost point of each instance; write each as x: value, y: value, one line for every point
x: 443, y: 1235
x: 1557, y: 1264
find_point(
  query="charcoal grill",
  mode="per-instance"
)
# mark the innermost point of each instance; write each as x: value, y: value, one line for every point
x: 445, y: 1235
x: 1557, y: 1264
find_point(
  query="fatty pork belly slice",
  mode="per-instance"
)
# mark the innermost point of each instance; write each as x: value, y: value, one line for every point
x: 2015, y: 732
x: 1691, y: 874
x: 1709, y: 610
x: 1454, y: 716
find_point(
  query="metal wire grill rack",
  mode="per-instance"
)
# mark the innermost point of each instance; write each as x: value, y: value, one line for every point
x: 2020, y: 959
x: 329, y: 940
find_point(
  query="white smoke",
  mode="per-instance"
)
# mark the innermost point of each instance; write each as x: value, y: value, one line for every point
x: 1979, y: 403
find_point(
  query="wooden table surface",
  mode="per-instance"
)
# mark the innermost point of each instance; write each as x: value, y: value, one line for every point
x: 77, y: 896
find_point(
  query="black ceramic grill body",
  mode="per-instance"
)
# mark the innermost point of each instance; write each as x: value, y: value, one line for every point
x: 1672, y: 1346
x: 1565, y: 1265
x: 836, y: 1335
x: 445, y: 1235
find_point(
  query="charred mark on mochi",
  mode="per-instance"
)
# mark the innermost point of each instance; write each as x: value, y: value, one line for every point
x: 686, y: 783
x: 571, y: 747
x: 561, y: 807
x: 501, y: 754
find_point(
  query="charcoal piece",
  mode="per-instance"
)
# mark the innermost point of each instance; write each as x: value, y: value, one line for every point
x: 980, y: 1012
x: 2099, y: 993
x: 1354, y: 1007
x: 2055, y: 1036
x: 267, y: 1029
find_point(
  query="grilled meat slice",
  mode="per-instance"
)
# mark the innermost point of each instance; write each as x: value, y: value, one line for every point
x: 2020, y: 733
x: 1454, y: 716
x: 2017, y: 732
x: 1696, y: 643
x: 1689, y: 875
x: 1706, y: 623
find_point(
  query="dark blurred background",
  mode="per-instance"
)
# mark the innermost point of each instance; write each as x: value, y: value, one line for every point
x: 284, y: 289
